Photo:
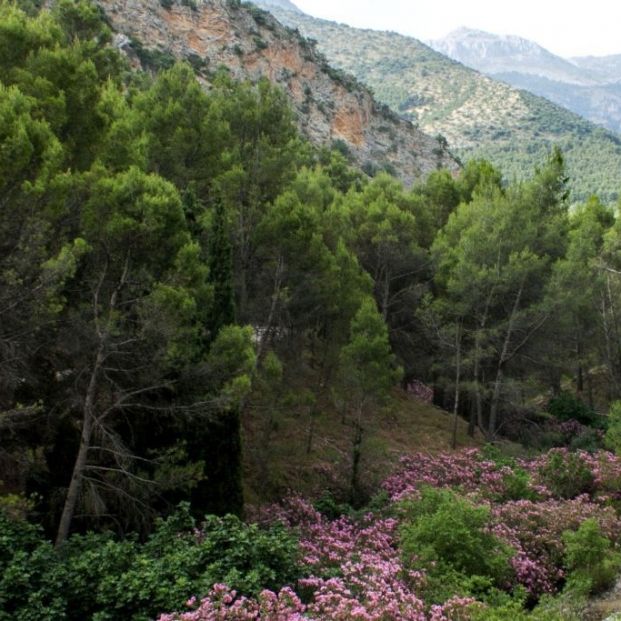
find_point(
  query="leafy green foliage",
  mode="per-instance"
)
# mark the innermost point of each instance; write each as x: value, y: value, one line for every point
x: 448, y: 535
x: 97, y: 577
x: 613, y: 433
x: 567, y: 407
x: 591, y: 562
x: 566, y: 474
x: 367, y: 364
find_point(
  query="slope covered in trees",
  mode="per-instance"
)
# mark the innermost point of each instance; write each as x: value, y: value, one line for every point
x: 178, y: 268
x: 479, y: 116
x: 330, y: 106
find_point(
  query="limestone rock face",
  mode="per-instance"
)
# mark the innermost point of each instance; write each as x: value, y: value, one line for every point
x: 330, y: 105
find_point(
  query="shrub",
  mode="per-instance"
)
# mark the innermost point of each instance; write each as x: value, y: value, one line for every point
x: 443, y: 531
x: 612, y: 438
x: 180, y: 560
x: 592, y: 564
x: 260, y: 43
x: 517, y: 485
x: 588, y: 440
x: 97, y: 577
x: 566, y: 474
x: 31, y: 578
x: 566, y: 406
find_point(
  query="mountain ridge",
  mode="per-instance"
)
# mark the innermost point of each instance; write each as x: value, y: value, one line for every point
x: 479, y: 116
x: 251, y: 44
x: 588, y: 86
x: 492, y: 54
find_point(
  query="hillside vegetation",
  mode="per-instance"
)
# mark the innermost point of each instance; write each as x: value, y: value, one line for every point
x: 588, y: 90
x: 330, y: 106
x: 201, y: 312
x: 479, y: 116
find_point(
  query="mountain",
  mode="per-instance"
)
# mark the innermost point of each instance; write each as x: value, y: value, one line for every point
x: 587, y: 86
x: 599, y: 104
x: 605, y: 68
x: 479, y: 116
x: 493, y: 54
x: 331, y: 106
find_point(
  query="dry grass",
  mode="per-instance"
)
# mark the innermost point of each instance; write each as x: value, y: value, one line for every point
x: 278, y: 460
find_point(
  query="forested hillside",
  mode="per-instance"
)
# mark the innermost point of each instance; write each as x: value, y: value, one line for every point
x: 331, y: 107
x: 195, y: 299
x: 478, y: 116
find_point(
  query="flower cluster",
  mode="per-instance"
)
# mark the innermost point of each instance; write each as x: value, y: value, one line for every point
x: 223, y: 604
x: 466, y: 470
x: 604, y: 466
x: 353, y: 568
x: 535, y: 530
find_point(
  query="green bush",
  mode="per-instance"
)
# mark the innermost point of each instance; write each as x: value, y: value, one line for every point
x: 568, y: 407
x: 612, y: 439
x: 589, y: 440
x: 593, y: 566
x: 517, y: 486
x: 178, y: 560
x: 566, y: 475
x: 97, y: 577
x: 550, y: 608
x: 31, y: 576
x: 447, y: 535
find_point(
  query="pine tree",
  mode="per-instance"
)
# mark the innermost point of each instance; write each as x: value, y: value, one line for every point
x: 221, y: 272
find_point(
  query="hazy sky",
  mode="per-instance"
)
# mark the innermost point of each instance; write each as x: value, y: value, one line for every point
x: 564, y: 27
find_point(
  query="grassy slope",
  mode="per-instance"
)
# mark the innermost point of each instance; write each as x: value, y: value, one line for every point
x: 478, y: 116
x: 405, y: 426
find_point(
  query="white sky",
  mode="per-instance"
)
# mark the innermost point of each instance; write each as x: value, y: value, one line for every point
x: 564, y: 27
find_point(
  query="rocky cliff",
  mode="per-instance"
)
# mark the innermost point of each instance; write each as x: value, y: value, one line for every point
x: 330, y: 105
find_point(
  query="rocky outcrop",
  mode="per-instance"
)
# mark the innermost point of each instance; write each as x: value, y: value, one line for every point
x: 330, y: 105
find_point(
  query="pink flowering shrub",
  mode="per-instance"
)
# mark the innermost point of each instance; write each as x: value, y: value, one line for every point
x: 535, y: 530
x: 466, y: 470
x: 604, y: 469
x: 354, y: 572
x: 354, y: 569
x: 223, y: 604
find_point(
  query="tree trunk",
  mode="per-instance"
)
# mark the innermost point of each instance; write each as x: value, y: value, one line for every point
x: 385, y: 297
x: 88, y: 420
x: 477, y: 382
x: 356, y: 454
x: 457, y: 383
x: 472, y: 421
x: 311, y: 430
x: 266, y: 336
x: 617, y: 338
x: 477, y: 363
x: 88, y: 412
x: 610, y: 363
x: 493, y: 411
x: 580, y: 373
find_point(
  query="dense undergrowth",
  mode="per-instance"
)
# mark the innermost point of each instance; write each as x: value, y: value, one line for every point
x: 469, y: 535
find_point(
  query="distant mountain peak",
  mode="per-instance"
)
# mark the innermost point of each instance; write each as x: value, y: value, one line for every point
x: 497, y: 54
x: 464, y: 32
